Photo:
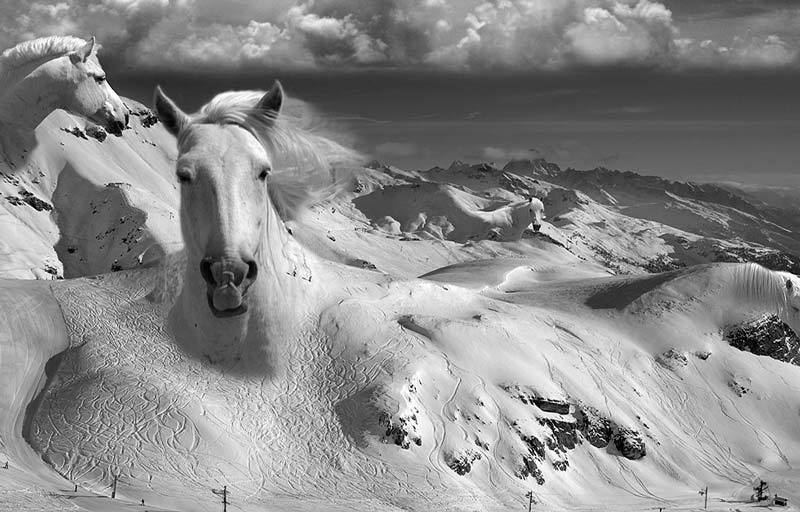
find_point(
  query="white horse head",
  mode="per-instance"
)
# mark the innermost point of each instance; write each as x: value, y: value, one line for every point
x: 222, y: 169
x: 790, y: 313
x: 243, y: 169
x: 536, y: 209
x: 88, y: 93
x: 68, y: 69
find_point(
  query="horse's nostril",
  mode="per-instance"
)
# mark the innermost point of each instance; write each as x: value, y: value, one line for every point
x: 127, y: 118
x: 537, y: 227
x: 252, y: 270
x: 205, y: 270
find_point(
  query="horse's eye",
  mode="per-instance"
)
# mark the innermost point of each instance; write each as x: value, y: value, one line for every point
x: 264, y: 173
x: 100, y: 79
x: 184, y: 176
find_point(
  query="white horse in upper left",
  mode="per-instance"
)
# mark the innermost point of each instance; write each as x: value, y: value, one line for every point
x: 42, y: 75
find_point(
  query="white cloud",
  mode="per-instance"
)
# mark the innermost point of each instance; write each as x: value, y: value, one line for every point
x: 503, y: 155
x: 623, y: 34
x: 472, y: 35
x: 748, y: 53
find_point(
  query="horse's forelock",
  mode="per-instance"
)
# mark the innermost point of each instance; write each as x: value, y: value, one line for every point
x: 303, y: 161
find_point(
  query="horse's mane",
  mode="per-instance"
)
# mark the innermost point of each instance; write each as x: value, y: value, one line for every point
x: 305, y: 170
x: 752, y: 282
x: 18, y: 61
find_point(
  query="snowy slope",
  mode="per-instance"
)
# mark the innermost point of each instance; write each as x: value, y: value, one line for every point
x: 507, y: 367
x: 423, y: 395
x: 77, y: 205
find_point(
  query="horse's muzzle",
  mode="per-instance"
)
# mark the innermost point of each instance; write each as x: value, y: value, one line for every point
x: 227, y: 281
x: 108, y: 119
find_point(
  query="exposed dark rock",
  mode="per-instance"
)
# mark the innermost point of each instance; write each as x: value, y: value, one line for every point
x: 53, y: 271
x: 528, y: 396
x: 16, y: 201
x: 461, y: 463
x: 662, y: 263
x: 96, y: 132
x: 702, y: 354
x: 481, y: 443
x: 530, y: 468
x: 401, y: 432
x: 596, y: 428
x: 561, y: 465
x: 33, y: 201
x: 672, y: 359
x: 630, y: 444
x: 766, y: 336
x: 362, y: 264
x: 739, y: 385
x: 565, y: 434
x: 76, y: 131
x: 146, y: 116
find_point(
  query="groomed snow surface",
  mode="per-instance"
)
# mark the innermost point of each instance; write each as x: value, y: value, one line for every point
x: 508, y: 368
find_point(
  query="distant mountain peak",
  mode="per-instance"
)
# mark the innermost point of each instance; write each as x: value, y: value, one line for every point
x: 375, y: 165
x: 538, y: 166
x: 457, y: 165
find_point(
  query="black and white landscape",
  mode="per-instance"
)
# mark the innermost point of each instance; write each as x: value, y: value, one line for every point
x: 407, y: 274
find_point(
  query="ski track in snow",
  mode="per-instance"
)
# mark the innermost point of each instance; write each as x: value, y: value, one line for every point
x: 126, y: 400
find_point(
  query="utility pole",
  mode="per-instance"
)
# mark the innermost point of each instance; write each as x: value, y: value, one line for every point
x: 705, y: 507
x: 114, y: 487
x: 224, y: 493
x: 762, y: 490
x: 530, y: 500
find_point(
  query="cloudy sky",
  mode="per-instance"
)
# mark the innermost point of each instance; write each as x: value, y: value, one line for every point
x: 703, y: 89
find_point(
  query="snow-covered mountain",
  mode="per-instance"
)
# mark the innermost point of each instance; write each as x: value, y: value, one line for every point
x: 443, y: 368
x: 84, y: 202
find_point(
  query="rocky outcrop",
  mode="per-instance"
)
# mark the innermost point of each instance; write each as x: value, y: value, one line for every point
x: 564, y: 437
x: 595, y: 428
x: 766, y: 336
x: 630, y: 444
x: 672, y: 359
x: 529, y: 396
x: 462, y: 462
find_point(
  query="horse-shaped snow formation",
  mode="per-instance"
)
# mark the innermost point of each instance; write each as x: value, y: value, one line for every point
x: 447, y: 212
x: 243, y: 270
x: 513, y: 219
x: 59, y: 72
x: 42, y: 164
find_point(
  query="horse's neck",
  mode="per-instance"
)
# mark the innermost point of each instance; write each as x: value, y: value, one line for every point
x: 759, y: 287
x: 520, y: 217
x: 279, y: 300
x: 27, y: 103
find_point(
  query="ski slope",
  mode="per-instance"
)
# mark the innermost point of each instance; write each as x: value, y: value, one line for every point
x: 440, y: 363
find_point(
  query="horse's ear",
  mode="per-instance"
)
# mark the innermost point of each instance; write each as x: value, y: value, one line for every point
x: 272, y: 101
x: 789, y: 285
x: 83, y: 53
x: 168, y: 112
